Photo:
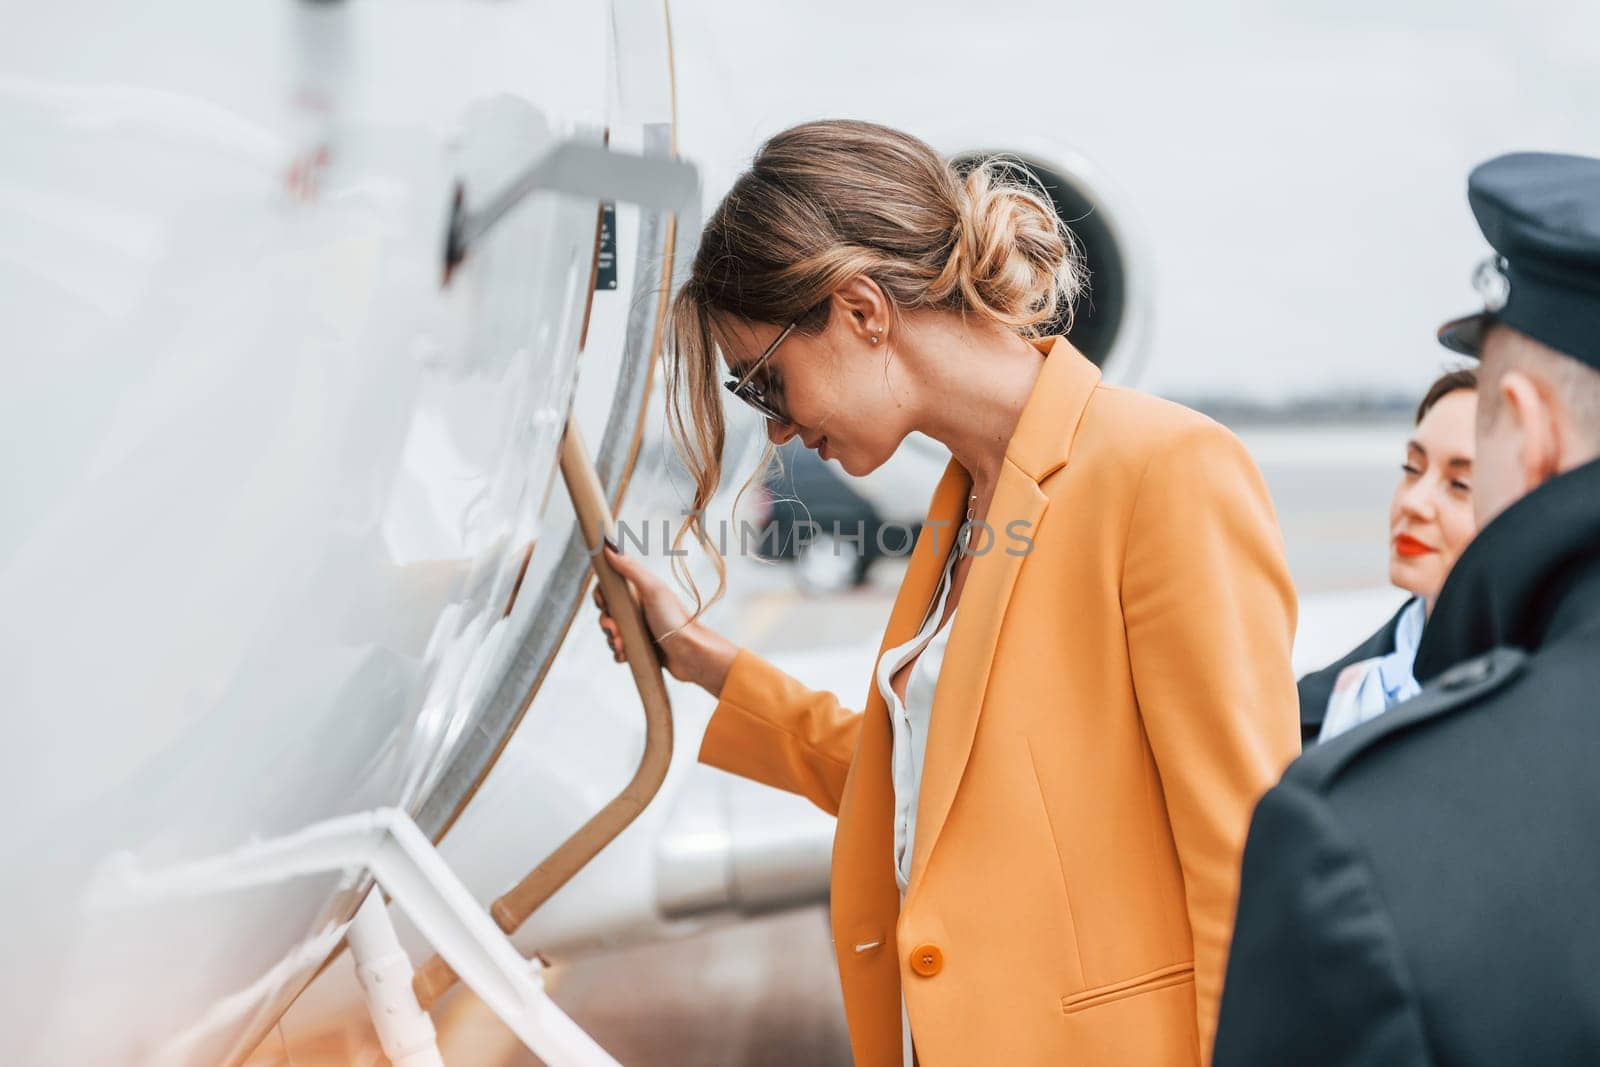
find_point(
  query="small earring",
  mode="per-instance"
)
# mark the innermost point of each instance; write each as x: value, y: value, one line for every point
x: 874, y: 338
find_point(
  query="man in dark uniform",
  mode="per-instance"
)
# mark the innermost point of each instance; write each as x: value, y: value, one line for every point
x: 1426, y: 888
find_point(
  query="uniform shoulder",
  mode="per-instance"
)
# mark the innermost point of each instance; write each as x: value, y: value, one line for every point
x: 1465, y: 685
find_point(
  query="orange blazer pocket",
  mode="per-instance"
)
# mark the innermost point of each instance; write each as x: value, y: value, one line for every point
x: 1176, y: 974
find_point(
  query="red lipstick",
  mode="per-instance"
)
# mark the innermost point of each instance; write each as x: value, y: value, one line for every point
x: 1410, y: 547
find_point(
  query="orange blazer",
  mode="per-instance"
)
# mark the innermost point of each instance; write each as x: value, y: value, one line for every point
x: 1113, y: 701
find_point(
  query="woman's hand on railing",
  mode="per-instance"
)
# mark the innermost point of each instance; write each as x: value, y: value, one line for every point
x: 695, y: 653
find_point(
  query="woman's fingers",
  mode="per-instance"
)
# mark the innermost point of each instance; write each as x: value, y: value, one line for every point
x: 609, y: 627
x: 637, y: 574
x: 663, y: 610
x: 613, y: 638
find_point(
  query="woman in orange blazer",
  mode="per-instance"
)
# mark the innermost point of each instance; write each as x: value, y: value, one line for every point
x: 1116, y: 691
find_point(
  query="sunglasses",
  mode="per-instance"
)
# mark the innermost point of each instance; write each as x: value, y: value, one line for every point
x: 749, y: 392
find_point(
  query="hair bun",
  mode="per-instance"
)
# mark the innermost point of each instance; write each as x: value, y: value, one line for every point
x: 1011, y: 257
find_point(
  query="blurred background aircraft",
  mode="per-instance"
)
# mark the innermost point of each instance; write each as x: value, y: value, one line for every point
x: 282, y: 535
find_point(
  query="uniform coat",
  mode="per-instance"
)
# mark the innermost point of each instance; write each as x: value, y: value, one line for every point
x: 1112, y: 702
x: 1423, y: 888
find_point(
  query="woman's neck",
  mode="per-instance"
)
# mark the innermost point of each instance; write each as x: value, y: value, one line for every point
x: 977, y: 385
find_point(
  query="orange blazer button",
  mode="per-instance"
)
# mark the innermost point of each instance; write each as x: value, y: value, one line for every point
x: 927, y: 960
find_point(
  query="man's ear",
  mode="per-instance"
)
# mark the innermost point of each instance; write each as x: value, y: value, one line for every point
x: 862, y: 308
x: 1533, y: 417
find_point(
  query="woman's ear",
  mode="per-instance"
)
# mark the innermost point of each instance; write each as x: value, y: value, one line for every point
x: 861, y: 307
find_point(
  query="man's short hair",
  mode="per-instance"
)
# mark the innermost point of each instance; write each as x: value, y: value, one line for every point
x: 1576, y: 384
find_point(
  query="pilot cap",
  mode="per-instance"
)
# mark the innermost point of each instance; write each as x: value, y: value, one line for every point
x: 1541, y: 214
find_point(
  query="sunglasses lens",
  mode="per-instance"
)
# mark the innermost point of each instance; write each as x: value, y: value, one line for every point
x: 748, y: 394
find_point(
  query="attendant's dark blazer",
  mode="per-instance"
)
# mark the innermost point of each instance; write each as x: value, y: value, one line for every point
x: 1317, y: 687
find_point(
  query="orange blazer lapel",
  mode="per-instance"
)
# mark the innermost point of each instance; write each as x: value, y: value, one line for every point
x: 1039, y: 445
x: 865, y: 906
x: 1017, y: 504
x: 926, y: 564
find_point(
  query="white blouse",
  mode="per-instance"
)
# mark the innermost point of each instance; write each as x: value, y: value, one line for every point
x: 1367, y: 688
x: 910, y: 721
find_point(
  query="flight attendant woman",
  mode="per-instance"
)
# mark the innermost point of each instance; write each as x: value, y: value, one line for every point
x: 1037, y: 854
x: 1430, y: 525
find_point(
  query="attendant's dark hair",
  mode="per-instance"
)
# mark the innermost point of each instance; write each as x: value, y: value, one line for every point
x: 1447, y: 383
x: 826, y: 202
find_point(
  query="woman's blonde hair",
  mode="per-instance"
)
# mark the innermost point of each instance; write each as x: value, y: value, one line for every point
x: 826, y: 202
